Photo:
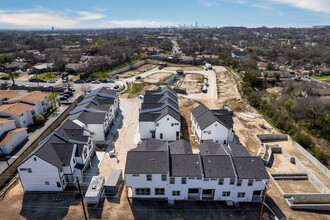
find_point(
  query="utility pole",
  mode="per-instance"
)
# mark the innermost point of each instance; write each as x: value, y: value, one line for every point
x: 82, y: 199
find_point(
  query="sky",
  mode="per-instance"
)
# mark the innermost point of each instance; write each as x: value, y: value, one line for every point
x: 82, y: 14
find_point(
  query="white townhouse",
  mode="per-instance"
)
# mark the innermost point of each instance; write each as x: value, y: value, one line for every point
x: 241, y: 55
x: 160, y: 116
x: 178, y: 174
x: 10, y: 136
x: 36, y: 98
x: 58, y: 160
x: 97, y: 113
x: 20, y: 112
x: 214, y: 125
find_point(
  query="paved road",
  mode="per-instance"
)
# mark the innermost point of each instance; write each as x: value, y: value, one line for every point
x: 176, y: 49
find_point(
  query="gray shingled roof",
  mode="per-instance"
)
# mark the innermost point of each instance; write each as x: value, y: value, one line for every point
x: 218, y: 166
x: 156, y: 116
x: 89, y: 117
x: 147, y: 162
x: 238, y: 150
x: 250, y: 168
x: 186, y: 165
x: 151, y: 145
x: 71, y: 131
x: 104, y: 90
x: 180, y: 147
x: 55, y: 151
x: 205, y: 117
x: 211, y: 148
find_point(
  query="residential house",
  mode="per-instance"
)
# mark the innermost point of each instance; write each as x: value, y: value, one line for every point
x: 15, y: 66
x: 10, y: 136
x: 214, y: 125
x: 241, y: 55
x: 160, y: 116
x: 151, y: 50
x: 43, y: 67
x: 36, y: 98
x: 175, y: 173
x: 59, y: 160
x: 208, y: 57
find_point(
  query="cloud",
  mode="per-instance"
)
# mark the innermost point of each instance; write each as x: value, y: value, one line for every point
x: 134, y: 23
x: 85, y: 15
x: 313, y: 5
x: 260, y: 5
x: 36, y: 20
x: 208, y: 3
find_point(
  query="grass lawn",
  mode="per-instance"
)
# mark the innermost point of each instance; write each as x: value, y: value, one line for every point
x: 15, y: 76
x: 324, y: 78
x: 135, y: 88
x: 47, y: 76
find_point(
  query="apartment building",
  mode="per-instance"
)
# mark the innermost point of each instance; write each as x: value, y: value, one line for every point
x: 172, y: 172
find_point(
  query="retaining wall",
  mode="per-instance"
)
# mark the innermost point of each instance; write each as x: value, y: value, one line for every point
x: 9, y: 172
x: 133, y: 66
x: 313, y: 179
x: 272, y: 137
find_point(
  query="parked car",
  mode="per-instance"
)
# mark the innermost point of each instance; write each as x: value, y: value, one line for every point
x: 104, y: 81
x: 72, y: 89
x: 79, y: 81
x: 116, y: 87
x: 88, y: 81
x: 43, y: 81
x: 52, y: 81
x: 33, y: 80
x: 4, y: 78
x: 138, y: 77
x: 116, y: 77
x: 63, y: 98
x: 95, y: 82
x: 111, y: 81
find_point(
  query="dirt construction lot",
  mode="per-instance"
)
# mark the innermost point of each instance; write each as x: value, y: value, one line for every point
x: 157, y: 78
x: 193, y: 83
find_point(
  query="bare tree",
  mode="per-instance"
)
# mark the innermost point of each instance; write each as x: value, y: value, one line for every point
x: 85, y: 89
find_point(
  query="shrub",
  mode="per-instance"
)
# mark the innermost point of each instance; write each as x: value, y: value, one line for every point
x: 39, y: 119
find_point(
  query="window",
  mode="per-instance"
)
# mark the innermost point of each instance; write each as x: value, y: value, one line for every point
x: 198, y: 178
x: 241, y: 195
x: 215, y: 124
x: 168, y: 119
x: 220, y: 182
x: 191, y: 178
x: 136, y: 175
x: 74, y: 161
x: 172, y: 124
x: 239, y: 183
x: 172, y: 180
x: 232, y: 181
x: 46, y: 183
x: 22, y: 169
x: 250, y: 183
x: 58, y: 184
x: 161, y: 136
x: 224, y: 142
x: 175, y: 193
x: 29, y: 170
x: 159, y: 191
x: 149, y: 177
x: 213, y: 179
x: 183, y: 180
x: 225, y: 194
x: 35, y: 159
x: 164, y: 177
x: 206, y: 179
x: 157, y: 124
x: 142, y: 191
x: 193, y: 191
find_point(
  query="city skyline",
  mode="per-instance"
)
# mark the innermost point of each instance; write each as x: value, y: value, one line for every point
x: 36, y: 14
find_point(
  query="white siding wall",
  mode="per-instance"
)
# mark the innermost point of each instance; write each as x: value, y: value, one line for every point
x: 218, y: 133
x: 7, y: 126
x: 18, y: 138
x: 165, y: 127
x: 42, y: 172
x: 141, y: 182
x: 145, y: 128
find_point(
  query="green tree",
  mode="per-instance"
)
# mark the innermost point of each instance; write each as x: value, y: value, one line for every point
x: 39, y: 119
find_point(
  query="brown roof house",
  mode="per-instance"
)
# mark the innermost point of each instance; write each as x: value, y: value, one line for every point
x: 36, y: 98
x: 20, y: 112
